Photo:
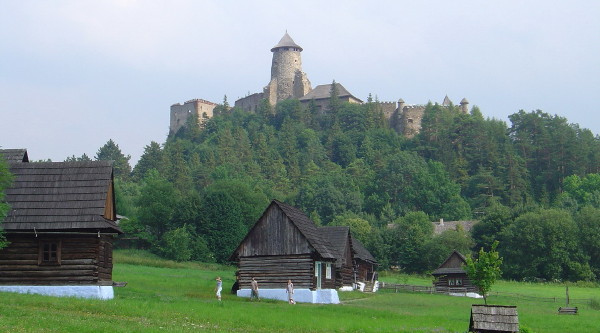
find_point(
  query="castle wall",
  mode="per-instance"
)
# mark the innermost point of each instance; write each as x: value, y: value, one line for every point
x: 181, y: 112
x: 410, y: 120
x: 250, y: 103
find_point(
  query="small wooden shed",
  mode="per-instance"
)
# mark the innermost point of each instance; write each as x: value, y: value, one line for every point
x: 494, y: 319
x: 451, y: 277
x: 285, y: 244
x: 341, y: 244
x: 364, y: 263
x: 60, y: 226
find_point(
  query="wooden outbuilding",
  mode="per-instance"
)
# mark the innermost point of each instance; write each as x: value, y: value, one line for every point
x: 14, y: 155
x: 60, y: 226
x: 341, y: 243
x: 285, y: 244
x: 451, y: 276
x: 494, y: 319
x: 364, y: 263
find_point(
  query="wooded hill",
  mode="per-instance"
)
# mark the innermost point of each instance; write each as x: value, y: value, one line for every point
x: 533, y: 185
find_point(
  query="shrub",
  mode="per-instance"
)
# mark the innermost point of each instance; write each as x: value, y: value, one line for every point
x: 595, y: 303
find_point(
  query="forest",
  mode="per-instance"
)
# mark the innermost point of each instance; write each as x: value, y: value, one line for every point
x: 533, y: 185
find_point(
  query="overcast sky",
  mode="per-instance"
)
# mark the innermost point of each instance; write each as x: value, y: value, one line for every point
x: 74, y: 74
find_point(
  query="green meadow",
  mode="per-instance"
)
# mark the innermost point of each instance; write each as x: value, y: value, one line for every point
x: 168, y: 296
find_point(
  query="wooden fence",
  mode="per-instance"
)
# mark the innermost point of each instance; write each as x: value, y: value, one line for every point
x: 430, y: 289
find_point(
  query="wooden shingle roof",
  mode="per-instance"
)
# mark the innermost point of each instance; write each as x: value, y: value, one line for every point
x: 361, y: 252
x: 63, y: 196
x: 452, y: 265
x: 308, y: 229
x: 494, y: 318
x: 286, y: 41
x: 14, y: 155
x: 338, y: 238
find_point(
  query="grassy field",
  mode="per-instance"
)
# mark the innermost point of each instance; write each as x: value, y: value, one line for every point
x: 167, y: 296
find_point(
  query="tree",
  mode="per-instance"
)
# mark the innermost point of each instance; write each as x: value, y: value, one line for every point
x: 6, y: 179
x: 74, y: 158
x: 407, y: 240
x: 544, y: 244
x: 484, y: 270
x: 359, y: 227
x: 152, y: 158
x: 111, y: 152
x: 222, y: 224
x: 156, y: 204
x: 588, y: 221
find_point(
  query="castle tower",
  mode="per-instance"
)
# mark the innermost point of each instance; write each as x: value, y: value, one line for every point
x: 464, y: 105
x: 287, y: 79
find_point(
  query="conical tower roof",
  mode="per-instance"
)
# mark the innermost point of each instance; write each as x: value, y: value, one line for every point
x: 286, y: 41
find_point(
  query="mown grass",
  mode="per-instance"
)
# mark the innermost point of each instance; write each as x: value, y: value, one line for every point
x: 178, y: 297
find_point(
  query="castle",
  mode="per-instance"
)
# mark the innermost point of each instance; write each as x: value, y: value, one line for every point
x: 288, y: 81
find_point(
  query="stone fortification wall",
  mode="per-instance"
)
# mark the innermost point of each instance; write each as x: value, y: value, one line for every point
x: 181, y: 112
x: 389, y: 109
x: 250, y: 103
x: 409, y: 122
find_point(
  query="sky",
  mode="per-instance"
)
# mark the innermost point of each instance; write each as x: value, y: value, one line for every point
x: 74, y: 74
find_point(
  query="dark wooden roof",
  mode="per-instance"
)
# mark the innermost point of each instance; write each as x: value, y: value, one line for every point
x: 53, y: 196
x: 286, y: 41
x: 338, y: 238
x: 308, y: 229
x: 452, y: 265
x: 15, y: 155
x: 324, y: 92
x: 360, y: 252
x: 494, y: 318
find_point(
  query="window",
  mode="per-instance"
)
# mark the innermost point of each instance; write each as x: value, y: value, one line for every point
x: 328, y: 271
x: 49, y: 253
x: 455, y: 282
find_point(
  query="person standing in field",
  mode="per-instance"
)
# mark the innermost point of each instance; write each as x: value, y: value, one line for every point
x: 219, y: 287
x: 254, y: 292
x: 290, y: 291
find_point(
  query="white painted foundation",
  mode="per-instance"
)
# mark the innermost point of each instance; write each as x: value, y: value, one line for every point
x: 320, y: 296
x: 94, y: 292
x: 471, y: 294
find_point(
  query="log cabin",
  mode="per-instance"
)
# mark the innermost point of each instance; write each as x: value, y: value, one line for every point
x: 340, y: 240
x: 354, y: 264
x: 364, y: 266
x: 285, y: 244
x: 451, y: 277
x: 60, y: 226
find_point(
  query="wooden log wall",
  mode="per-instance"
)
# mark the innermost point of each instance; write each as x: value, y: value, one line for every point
x: 84, y: 260
x: 441, y: 284
x: 274, y: 271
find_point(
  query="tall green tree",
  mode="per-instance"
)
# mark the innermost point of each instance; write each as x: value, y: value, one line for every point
x: 544, y: 245
x: 152, y: 158
x: 156, y: 205
x: 222, y: 224
x: 406, y: 242
x: 588, y: 221
x: 485, y: 269
x: 111, y: 152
